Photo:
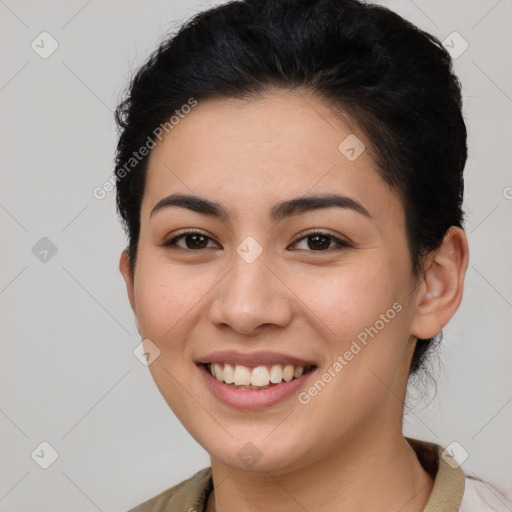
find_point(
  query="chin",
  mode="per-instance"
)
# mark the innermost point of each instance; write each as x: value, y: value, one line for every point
x: 257, y: 454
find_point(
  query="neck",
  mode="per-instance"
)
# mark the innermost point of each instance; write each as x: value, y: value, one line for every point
x: 373, y: 473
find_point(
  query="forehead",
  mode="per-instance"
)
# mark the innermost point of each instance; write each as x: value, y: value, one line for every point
x: 248, y: 154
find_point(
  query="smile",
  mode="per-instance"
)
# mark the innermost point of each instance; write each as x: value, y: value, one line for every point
x: 253, y: 396
x: 259, y: 377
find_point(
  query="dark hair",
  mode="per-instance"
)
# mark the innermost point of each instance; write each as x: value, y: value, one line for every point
x: 392, y: 80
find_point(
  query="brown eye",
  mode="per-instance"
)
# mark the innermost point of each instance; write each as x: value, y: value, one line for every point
x: 316, y: 242
x: 195, y: 241
x: 191, y: 241
x: 321, y: 242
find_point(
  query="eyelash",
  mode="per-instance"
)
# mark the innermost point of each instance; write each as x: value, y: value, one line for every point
x: 171, y: 243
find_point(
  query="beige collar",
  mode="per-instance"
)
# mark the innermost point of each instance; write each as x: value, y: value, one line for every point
x: 449, y: 480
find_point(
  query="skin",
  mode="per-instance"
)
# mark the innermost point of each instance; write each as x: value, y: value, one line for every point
x: 344, y: 450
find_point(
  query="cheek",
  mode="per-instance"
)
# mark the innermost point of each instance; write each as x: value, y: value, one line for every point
x: 349, y: 298
x: 166, y: 297
x: 360, y: 314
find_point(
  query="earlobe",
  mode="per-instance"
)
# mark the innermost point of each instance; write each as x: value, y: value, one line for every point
x: 440, y: 295
x: 124, y: 268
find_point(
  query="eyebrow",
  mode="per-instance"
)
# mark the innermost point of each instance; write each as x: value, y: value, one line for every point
x: 278, y: 212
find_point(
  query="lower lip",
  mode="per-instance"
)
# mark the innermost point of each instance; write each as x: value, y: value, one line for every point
x: 252, y: 399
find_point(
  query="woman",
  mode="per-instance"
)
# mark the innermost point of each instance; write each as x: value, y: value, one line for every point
x: 290, y: 176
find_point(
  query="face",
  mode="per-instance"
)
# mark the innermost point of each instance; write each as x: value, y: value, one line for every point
x: 326, y: 286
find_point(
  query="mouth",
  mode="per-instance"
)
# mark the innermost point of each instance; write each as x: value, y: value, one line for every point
x: 256, y: 380
x: 258, y: 377
x: 251, y: 387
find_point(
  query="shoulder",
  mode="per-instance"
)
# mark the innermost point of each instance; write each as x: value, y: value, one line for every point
x: 480, y: 496
x: 187, y: 496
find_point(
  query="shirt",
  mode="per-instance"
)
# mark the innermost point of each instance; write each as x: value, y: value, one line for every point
x: 453, y: 491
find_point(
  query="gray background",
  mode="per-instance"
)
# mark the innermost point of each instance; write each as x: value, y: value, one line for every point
x: 68, y: 373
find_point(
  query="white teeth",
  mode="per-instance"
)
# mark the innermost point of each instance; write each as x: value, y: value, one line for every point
x: 242, y: 376
x: 217, y: 371
x: 259, y: 376
x: 288, y: 373
x: 229, y: 372
x: 276, y: 374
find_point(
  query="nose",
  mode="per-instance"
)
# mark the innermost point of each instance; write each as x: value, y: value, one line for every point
x: 251, y: 298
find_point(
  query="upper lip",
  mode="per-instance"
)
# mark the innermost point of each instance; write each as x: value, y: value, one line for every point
x: 253, y: 359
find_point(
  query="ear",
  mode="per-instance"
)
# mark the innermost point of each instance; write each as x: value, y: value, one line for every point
x: 440, y: 292
x: 124, y: 267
